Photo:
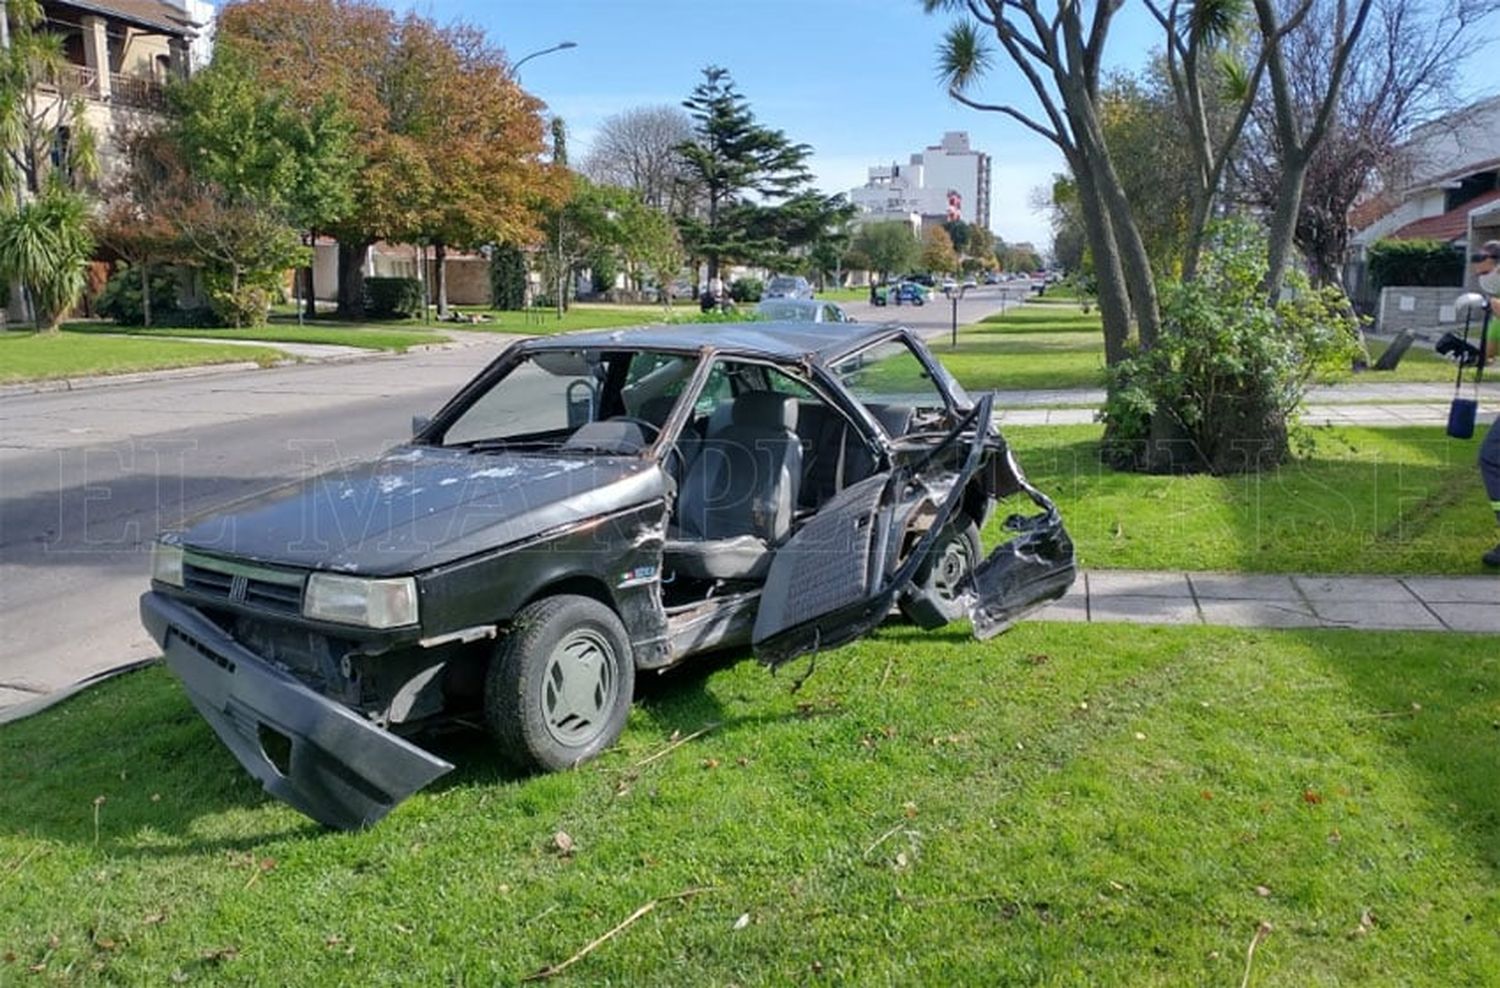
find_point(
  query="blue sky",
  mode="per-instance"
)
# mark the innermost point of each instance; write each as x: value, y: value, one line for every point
x: 853, y: 78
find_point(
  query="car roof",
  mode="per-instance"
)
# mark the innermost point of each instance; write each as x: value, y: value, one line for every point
x: 784, y: 341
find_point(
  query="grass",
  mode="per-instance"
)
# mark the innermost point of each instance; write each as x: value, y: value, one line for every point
x: 369, y: 336
x: 580, y: 315
x: 28, y: 356
x: 1084, y: 805
x: 1361, y: 500
x: 1049, y: 344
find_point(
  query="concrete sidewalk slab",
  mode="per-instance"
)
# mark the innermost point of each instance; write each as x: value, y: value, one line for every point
x: 1268, y: 600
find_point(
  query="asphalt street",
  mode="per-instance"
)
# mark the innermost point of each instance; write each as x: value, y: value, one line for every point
x: 89, y: 477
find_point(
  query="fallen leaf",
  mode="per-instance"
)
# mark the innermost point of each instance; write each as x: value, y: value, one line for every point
x: 901, y: 861
x: 817, y: 967
x: 1334, y: 837
x: 403, y: 929
x: 742, y: 922
x: 105, y: 943
x: 38, y: 968
x: 1416, y: 708
x: 154, y: 918
x: 53, y: 942
x: 710, y: 763
x: 1311, y: 796
x: 178, y: 977
x: 562, y: 843
x: 219, y: 954
x: 910, y: 809
x: 676, y: 736
x: 1262, y: 891
x: 156, y: 797
x: 1139, y: 736
x: 1038, y: 659
x: 1206, y: 794
x: 10, y: 957
x: 333, y: 940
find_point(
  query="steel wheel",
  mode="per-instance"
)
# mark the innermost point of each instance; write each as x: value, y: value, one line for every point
x: 579, y: 688
x: 952, y: 567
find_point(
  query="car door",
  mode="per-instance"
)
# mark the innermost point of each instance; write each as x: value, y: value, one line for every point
x: 837, y: 578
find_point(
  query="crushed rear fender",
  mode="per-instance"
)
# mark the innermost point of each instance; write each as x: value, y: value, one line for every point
x: 308, y: 751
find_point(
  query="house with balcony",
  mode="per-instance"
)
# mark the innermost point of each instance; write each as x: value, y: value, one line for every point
x: 120, y: 55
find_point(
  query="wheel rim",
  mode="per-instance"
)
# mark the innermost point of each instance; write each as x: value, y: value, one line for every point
x: 951, y: 569
x: 579, y: 688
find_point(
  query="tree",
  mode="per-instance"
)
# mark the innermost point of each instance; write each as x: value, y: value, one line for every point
x: 138, y: 219
x: 937, y: 251
x: 45, y: 245
x: 638, y: 150
x: 245, y: 247
x: 254, y: 145
x: 731, y: 156
x: 433, y: 107
x: 507, y: 278
x: 958, y: 235
x: 45, y: 242
x: 1300, y: 125
x: 1061, y: 59
x: 889, y: 246
x: 1403, y: 72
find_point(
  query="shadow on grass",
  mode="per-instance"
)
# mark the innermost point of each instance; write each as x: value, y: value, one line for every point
x: 1438, y: 709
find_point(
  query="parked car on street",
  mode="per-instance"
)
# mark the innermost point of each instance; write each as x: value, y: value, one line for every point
x: 787, y: 286
x: 970, y: 283
x: 590, y: 506
x: 801, y: 310
x: 949, y: 285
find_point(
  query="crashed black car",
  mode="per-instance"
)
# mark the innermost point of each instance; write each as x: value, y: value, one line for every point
x: 591, y: 505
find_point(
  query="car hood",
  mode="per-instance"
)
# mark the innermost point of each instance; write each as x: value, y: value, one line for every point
x: 421, y: 506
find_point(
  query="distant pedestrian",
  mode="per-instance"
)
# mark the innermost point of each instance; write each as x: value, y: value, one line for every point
x: 1487, y: 268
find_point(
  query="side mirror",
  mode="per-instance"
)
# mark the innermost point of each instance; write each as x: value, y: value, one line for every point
x: 419, y: 424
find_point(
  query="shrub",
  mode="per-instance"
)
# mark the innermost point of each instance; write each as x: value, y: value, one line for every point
x: 245, y: 304
x: 121, y: 298
x: 746, y: 289
x: 1415, y: 264
x: 393, y: 298
x: 1229, y: 369
x: 507, y: 278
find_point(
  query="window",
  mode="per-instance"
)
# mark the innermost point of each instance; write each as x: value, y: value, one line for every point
x: 549, y: 394
x: 890, y: 373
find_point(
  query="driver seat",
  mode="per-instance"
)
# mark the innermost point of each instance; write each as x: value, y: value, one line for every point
x: 739, y: 496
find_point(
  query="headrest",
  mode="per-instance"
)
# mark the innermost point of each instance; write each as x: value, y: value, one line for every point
x: 655, y: 410
x: 765, y: 410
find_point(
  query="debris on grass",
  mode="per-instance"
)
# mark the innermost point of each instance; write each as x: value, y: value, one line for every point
x: 562, y: 843
x: 1261, y: 932
x: 677, y: 742
x: 553, y: 970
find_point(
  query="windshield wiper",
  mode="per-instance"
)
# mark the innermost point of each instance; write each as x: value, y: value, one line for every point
x: 495, y: 445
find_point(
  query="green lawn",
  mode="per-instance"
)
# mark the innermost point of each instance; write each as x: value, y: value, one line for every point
x: 1054, y: 344
x: 580, y: 315
x: 27, y: 356
x: 1063, y: 805
x: 371, y: 336
x: 1387, y: 500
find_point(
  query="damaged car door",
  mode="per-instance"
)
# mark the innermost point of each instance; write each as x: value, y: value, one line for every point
x: 838, y: 577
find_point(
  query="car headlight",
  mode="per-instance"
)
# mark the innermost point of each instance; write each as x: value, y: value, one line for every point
x: 166, y: 563
x: 355, y: 600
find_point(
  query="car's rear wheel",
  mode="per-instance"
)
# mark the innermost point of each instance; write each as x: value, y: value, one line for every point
x: 560, y: 683
x: 939, y: 590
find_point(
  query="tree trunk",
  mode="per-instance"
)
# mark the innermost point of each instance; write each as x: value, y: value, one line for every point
x: 440, y: 277
x: 146, y: 292
x: 310, y: 302
x: 1284, y: 222
x: 352, y: 279
x: 1114, y: 304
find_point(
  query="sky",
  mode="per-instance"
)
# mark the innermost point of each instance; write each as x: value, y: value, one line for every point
x: 856, y: 79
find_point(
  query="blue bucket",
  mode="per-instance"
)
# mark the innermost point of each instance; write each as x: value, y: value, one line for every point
x: 1461, y: 417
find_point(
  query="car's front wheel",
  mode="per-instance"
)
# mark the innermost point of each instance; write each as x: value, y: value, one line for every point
x: 939, y: 591
x: 560, y: 683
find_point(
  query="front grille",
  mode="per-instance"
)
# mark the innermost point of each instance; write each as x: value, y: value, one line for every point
x: 236, y: 583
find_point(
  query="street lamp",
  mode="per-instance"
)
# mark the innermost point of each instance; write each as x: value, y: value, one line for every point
x: 560, y: 46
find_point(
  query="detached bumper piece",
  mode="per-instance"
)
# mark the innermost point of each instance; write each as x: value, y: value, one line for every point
x: 1028, y: 572
x: 308, y: 751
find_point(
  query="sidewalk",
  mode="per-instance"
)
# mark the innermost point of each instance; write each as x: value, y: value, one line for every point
x: 1360, y: 603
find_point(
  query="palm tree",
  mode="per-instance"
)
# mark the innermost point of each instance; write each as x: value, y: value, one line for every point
x: 45, y: 244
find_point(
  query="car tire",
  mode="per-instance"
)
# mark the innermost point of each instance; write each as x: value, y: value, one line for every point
x: 939, y: 593
x: 560, y: 683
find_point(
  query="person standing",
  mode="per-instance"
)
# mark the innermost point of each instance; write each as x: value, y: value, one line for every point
x: 1487, y: 269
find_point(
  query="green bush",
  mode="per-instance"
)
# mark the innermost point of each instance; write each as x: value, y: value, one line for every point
x: 1217, y: 390
x: 121, y: 301
x: 746, y: 289
x: 393, y: 298
x: 246, y: 305
x: 1415, y: 264
x: 507, y: 278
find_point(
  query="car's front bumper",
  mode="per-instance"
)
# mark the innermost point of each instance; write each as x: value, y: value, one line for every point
x: 329, y: 762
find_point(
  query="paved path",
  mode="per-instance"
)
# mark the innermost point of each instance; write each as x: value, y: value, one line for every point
x: 1363, y: 603
x: 1413, y: 413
